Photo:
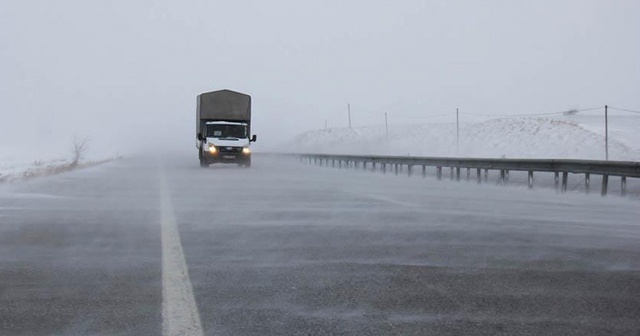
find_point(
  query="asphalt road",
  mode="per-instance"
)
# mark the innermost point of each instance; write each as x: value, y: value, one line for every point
x: 152, y: 246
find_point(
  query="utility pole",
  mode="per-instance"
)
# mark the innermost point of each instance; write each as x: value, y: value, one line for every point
x: 606, y: 132
x: 349, y: 112
x: 386, y: 124
x: 457, y: 132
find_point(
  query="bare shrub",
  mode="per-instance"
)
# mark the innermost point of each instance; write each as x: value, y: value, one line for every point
x: 79, y: 147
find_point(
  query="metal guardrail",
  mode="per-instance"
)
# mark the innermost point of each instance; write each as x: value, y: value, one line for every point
x: 623, y: 169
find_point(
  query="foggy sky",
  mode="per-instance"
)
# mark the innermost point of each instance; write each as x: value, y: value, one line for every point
x: 126, y: 73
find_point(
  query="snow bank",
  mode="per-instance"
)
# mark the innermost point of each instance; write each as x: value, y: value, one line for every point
x: 19, y: 164
x: 575, y: 137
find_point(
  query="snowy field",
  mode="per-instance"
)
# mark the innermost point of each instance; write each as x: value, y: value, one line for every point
x: 578, y: 136
x: 25, y: 162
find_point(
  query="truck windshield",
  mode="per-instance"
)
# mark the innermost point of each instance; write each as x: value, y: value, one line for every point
x: 226, y: 131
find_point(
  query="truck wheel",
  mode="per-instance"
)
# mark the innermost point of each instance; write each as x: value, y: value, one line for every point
x: 203, y: 162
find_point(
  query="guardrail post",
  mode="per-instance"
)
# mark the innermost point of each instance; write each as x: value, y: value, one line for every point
x: 458, y: 174
x: 373, y: 166
x: 506, y: 176
x: 565, y: 178
x: 530, y: 179
x: 605, y: 183
x: 587, y: 182
x: 424, y: 171
x: 623, y: 185
x: 479, y: 177
x: 468, y: 174
x: 556, y: 179
x: 409, y: 170
x: 384, y: 168
x: 339, y: 163
x: 396, y: 169
x: 439, y: 173
x: 502, y: 177
x: 451, y: 173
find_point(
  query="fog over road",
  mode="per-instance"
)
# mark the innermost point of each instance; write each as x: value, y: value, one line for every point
x: 149, y: 246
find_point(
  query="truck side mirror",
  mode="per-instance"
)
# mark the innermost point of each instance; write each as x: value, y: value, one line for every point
x: 200, y: 136
x: 254, y: 138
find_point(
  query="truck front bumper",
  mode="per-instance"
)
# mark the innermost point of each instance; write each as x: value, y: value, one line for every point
x: 227, y: 157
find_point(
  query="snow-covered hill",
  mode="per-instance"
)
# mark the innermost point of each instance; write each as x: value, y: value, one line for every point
x: 576, y: 137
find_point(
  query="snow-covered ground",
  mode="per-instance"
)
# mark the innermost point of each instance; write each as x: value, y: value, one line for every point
x: 578, y: 136
x: 17, y: 163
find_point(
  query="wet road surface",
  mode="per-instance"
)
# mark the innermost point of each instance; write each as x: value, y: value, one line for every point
x: 149, y: 246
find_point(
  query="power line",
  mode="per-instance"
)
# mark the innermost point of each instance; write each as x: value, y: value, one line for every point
x: 532, y: 114
x: 622, y: 109
x: 421, y: 117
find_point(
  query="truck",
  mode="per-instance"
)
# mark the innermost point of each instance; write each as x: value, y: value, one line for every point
x: 223, y: 126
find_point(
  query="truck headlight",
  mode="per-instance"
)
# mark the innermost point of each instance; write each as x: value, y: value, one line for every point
x: 246, y: 150
x: 212, y: 149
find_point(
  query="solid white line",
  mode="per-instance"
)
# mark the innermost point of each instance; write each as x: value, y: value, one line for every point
x: 180, y: 314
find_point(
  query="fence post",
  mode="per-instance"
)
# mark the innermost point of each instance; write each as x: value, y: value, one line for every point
x: 587, y: 182
x: 605, y: 183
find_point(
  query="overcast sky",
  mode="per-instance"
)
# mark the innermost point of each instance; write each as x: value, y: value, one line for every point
x: 128, y: 72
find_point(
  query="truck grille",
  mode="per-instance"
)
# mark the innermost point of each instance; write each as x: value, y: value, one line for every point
x: 224, y: 149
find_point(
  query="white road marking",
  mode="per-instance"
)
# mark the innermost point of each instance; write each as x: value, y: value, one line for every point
x: 180, y: 314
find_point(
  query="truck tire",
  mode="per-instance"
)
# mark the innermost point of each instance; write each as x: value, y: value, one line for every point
x: 203, y: 162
